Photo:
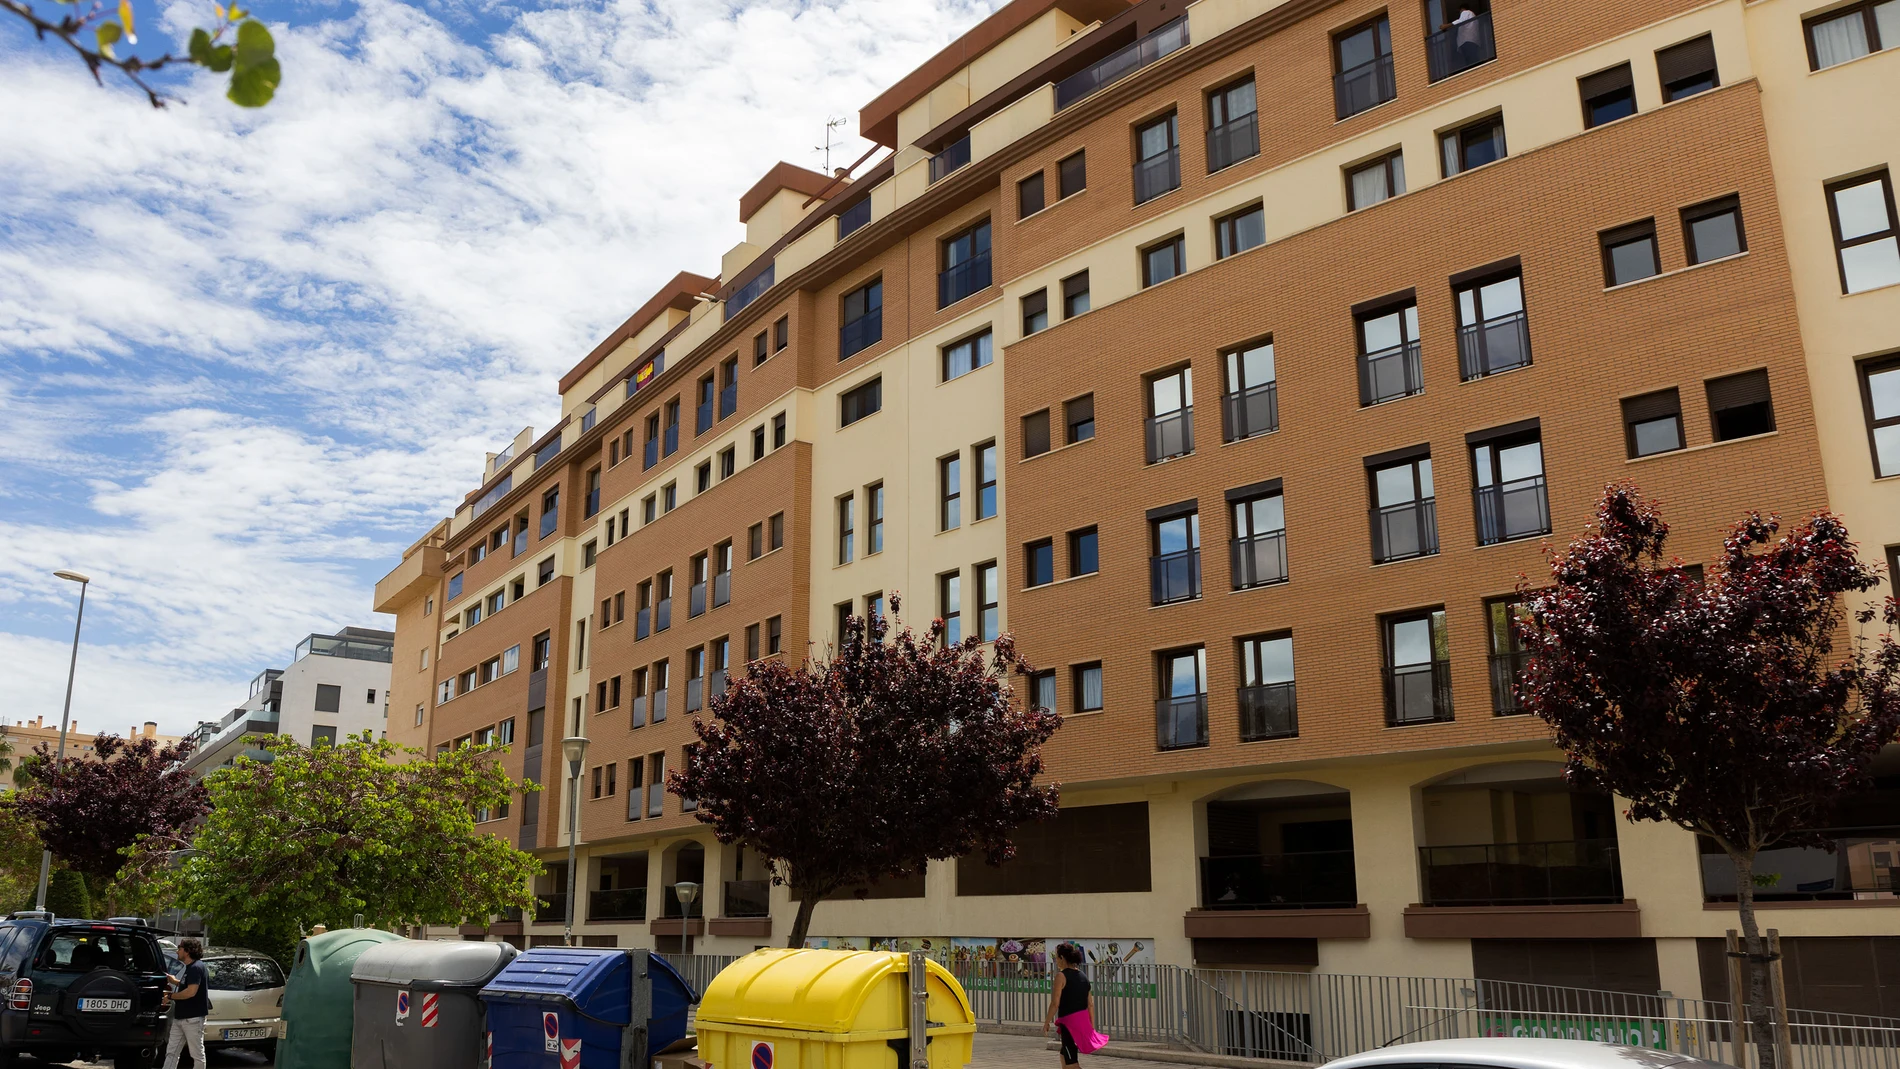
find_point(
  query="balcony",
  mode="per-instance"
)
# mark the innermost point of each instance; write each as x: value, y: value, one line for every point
x: 748, y: 898
x: 1181, y: 723
x: 656, y: 797
x: 1400, y: 532
x: 1418, y: 693
x: 1459, y: 47
x: 662, y: 615
x: 587, y: 420
x: 1231, y: 142
x: 1858, y: 864
x: 953, y: 157
x: 958, y: 282
x: 722, y: 589
x: 1567, y: 872
x: 620, y: 904
x: 728, y: 399
x: 1494, y: 345
x: 550, y: 907
x: 672, y: 439
x: 696, y: 599
x: 674, y: 910
x: 1268, y: 711
x: 1366, y: 86
x: 1174, y: 577
x: 1258, y: 560
x: 650, y: 455
x: 1506, y: 670
x: 350, y: 649
x: 1320, y: 880
x: 1389, y: 374
x: 1122, y: 63
x: 1517, y: 509
x: 1157, y: 175
x: 695, y: 695
x: 1250, y: 412
x: 861, y: 333
x: 703, y: 416
x: 642, y: 623
x: 750, y: 292
x: 1170, y: 435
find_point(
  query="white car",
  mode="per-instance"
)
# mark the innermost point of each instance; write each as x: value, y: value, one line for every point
x: 1507, y: 1053
x: 247, y: 999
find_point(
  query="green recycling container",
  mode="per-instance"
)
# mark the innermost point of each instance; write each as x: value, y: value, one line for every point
x: 319, y: 999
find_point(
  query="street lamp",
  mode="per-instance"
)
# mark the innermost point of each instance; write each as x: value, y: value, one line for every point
x: 687, y: 890
x: 65, y: 717
x: 574, y: 748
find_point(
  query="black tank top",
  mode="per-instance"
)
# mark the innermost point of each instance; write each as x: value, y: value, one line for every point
x: 1075, y: 993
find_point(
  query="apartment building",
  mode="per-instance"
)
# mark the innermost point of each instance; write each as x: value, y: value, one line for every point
x: 1238, y: 357
x: 336, y: 686
x: 27, y: 735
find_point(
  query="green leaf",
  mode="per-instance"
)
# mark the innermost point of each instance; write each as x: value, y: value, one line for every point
x: 107, y: 33
x: 254, y: 45
x: 253, y: 86
x: 201, y: 48
x: 220, y: 60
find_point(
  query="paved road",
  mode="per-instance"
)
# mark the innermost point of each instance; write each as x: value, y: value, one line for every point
x: 219, y: 1059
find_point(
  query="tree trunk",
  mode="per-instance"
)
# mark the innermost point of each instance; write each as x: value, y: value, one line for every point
x: 1755, y: 968
x: 807, y: 903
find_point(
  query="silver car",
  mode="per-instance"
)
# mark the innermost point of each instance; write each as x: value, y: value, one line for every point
x: 247, y: 999
x: 1509, y: 1053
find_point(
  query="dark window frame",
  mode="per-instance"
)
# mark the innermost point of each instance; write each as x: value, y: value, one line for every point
x: 1380, y: 25
x: 865, y: 293
x: 1865, y: 8
x: 1175, y: 246
x: 950, y: 491
x: 1394, y: 178
x: 1216, y: 101
x: 1080, y: 172
x: 1031, y: 573
x: 1438, y: 633
x: 1618, y: 81
x: 1865, y: 370
x: 1075, y: 550
x: 1035, y: 305
x: 1710, y: 209
x: 1171, y: 121
x: 1486, y: 123
x: 1026, y: 194
x: 1882, y: 175
x: 1036, y: 434
x: 1078, y: 673
x: 1709, y: 387
x: 1615, y: 238
x: 1682, y: 87
x: 1227, y: 234
x: 1649, y: 407
x: 1075, y: 288
x: 1072, y: 427
x: 855, y: 398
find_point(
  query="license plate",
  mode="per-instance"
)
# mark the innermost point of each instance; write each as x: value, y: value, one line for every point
x: 247, y: 1033
x: 104, y: 1005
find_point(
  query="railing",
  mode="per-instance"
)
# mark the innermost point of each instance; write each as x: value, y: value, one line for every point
x: 550, y: 907
x: 1418, y: 693
x: 1157, y: 175
x: 549, y: 521
x: 662, y: 615
x: 1268, y: 711
x: 1517, y: 509
x: 728, y: 399
x: 675, y: 910
x: 650, y: 453
x: 722, y: 588
x: 1460, y: 47
x: 495, y: 493
x: 1122, y: 63
x: 1506, y: 670
x: 703, y: 416
x: 639, y: 718
x: 1174, y: 577
x: 696, y: 599
x: 748, y: 898
x: 1506, y: 874
x: 854, y: 217
x: 547, y: 452
x: 1181, y: 723
x: 1365, y: 86
x: 1863, y: 864
x: 642, y: 623
x: 1231, y: 142
x: 1171, y: 435
x: 588, y: 418
x: 621, y: 904
x: 1258, y: 560
x: 695, y: 695
x: 698, y: 970
x: 1494, y: 345
x: 656, y: 795
x: 1252, y: 411
x: 953, y: 156
x: 591, y: 504
x: 958, y: 282
x: 750, y: 292
x: 521, y: 543
x: 659, y: 706
x: 1403, y: 531
x: 1321, y: 879
x: 1389, y: 374
x: 672, y: 439
x: 861, y: 333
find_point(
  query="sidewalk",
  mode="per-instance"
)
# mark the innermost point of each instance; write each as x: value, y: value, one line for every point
x: 995, y: 1050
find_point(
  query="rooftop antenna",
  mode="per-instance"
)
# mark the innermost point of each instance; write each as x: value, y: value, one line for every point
x: 831, y: 123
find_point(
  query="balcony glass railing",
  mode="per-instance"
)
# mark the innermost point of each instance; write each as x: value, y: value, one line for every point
x: 495, y: 493
x: 639, y: 718
x: 547, y: 452
x: 1418, y: 693
x: 1460, y: 47
x: 1506, y: 670
x: 587, y: 419
x: 1494, y: 345
x: 1157, y: 175
x: 650, y: 453
x: 722, y: 588
x: 662, y: 615
x: 958, y: 282
x: 620, y: 904
x: 696, y: 599
x: 1231, y: 142
x: 659, y: 706
x: 748, y: 898
x: 1389, y: 374
x: 1174, y: 577
x: 695, y: 691
x: 1517, y: 509
x: 715, y: 683
x: 1250, y: 412
x: 1258, y: 560
x: 1181, y: 723
x: 656, y: 796
x: 1365, y: 86
x: 349, y: 649
x: 672, y: 439
x: 1403, y: 531
x: 953, y: 157
x: 861, y: 333
x: 675, y: 910
x: 728, y: 399
x: 1570, y: 871
x: 1321, y: 879
x: 1171, y: 435
x: 750, y: 292
x: 550, y: 907
x: 1863, y: 865
x: 1122, y: 63
x: 1268, y: 711
x: 642, y: 623
x: 703, y: 416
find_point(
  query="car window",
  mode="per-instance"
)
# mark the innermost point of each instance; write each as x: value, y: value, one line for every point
x: 84, y: 950
x: 243, y: 974
x: 10, y: 951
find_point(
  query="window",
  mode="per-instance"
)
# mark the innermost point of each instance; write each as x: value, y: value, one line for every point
x: 950, y: 492
x: 1266, y: 705
x: 722, y: 573
x: 672, y: 442
x: 1243, y: 230
x: 1039, y: 562
x: 873, y: 607
x: 1170, y: 415
x: 1035, y: 312
x: 650, y: 452
x: 778, y: 431
x: 861, y: 319
x: 702, y: 477
x: 1880, y: 396
x: 873, y: 519
x: 950, y: 606
x: 1259, y: 546
x: 541, y: 651
x: 1362, y: 68
x: 661, y: 686
x: 854, y: 217
x: 1852, y: 32
x: 1493, y: 333
x: 1251, y: 403
x: 1164, y: 260
x: 1866, y: 230
x: 1380, y: 180
x: 1508, y: 655
x: 669, y: 497
x: 428, y: 604
x: 760, y: 349
x: 1042, y: 691
x: 728, y: 462
x: 1417, y: 668
x: 1388, y: 353
x: 966, y: 356
x: 1072, y: 175
x: 781, y: 333
x: 1078, y: 416
x: 1084, y: 552
x: 696, y: 588
x: 1075, y: 295
x: 1233, y: 130
x: 1607, y: 96
x: 758, y: 443
x: 592, y: 504
x: 1713, y: 230
x: 965, y: 265
x: 1687, y: 69
x: 588, y: 552
x: 1036, y: 434
x: 496, y: 601
x: 544, y: 573
x: 860, y: 401
x: 1181, y: 710
x: 755, y: 541
x: 988, y: 600
x: 703, y: 409
x: 847, y: 527
x: 1404, y: 511
x: 752, y: 642
x: 1739, y: 405
x: 1629, y: 253
x: 1175, y: 568
x: 329, y: 698
x: 1157, y: 158
x: 649, y: 508
x: 663, y: 606
x: 773, y: 642
x: 1472, y: 145
x: 1029, y: 198
x: 729, y: 384
x: 1457, y: 43
x: 985, y: 480
x: 1652, y: 423
x: 419, y: 715
x: 477, y: 553
x: 1508, y: 483
x: 1086, y: 685
x: 776, y: 528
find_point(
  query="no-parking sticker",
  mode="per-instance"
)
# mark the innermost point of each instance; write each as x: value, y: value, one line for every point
x: 762, y: 1055
x: 551, y: 1032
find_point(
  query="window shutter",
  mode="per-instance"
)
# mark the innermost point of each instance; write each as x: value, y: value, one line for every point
x: 1036, y: 434
x: 1595, y: 85
x: 1652, y: 406
x: 1081, y: 410
x: 1075, y: 284
x: 1737, y: 391
x: 1686, y: 60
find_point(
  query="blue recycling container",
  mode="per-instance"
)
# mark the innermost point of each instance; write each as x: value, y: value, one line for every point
x: 549, y: 999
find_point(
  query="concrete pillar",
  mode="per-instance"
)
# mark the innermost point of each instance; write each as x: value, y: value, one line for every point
x: 1175, y: 868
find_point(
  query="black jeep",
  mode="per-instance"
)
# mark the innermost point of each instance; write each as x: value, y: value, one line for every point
x: 73, y: 989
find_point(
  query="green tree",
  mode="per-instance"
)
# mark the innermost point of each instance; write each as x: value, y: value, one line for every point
x: 320, y: 835
x: 19, y: 857
x: 66, y: 895
x: 97, y: 32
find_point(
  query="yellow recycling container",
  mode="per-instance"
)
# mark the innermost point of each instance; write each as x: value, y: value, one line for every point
x: 829, y: 1009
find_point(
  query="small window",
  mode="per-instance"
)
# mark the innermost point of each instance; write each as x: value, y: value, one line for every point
x: 761, y: 349
x: 966, y: 356
x: 778, y: 431
x: 1157, y: 158
x: 1163, y: 260
x: 985, y: 457
x: 649, y: 508
x: 1713, y: 230
x: 1036, y: 434
x: 1075, y: 295
x: 1029, y: 198
x: 1380, y: 180
x: 1880, y: 395
x: 1078, y: 416
x: 775, y: 528
x: 1243, y: 230
x: 873, y: 519
x: 758, y: 443
x: 702, y: 477
x: 847, y: 527
x: 854, y: 217
x: 1233, y: 129
x: 774, y: 639
x: 1072, y: 175
x: 1866, y: 229
x: 1607, y: 96
x: 1687, y: 69
x: 989, y: 616
x: 1035, y: 312
x: 587, y: 554
x: 950, y: 606
x: 1472, y: 145
x: 950, y: 492
x: 1042, y: 691
x: 544, y: 573
x: 755, y: 541
x: 1084, y: 552
x: 781, y: 333
x: 1039, y: 563
x: 1629, y: 253
x: 1087, y: 687
x: 861, y: 319
x: 1739, y: 405
x: 1652, y: 423
x: 1362, y: 67
x: 859, y: 402
x: 1852, y: 32
x: 964, y: 264
x: 329, y: 698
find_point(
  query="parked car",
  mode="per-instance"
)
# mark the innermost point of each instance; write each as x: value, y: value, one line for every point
x: 73, y: 989
x: 247, y: 1000
x: 1510, y: 1053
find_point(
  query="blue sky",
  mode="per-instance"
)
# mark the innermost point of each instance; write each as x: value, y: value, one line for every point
x: 247, y: 357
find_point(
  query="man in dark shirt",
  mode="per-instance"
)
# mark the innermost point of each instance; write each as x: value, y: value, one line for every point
x: 190, y: 1006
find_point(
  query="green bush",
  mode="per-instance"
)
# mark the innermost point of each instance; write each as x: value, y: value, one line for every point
x: 66, y: 895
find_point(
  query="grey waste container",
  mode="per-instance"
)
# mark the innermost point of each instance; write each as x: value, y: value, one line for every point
x: 418, y: 1005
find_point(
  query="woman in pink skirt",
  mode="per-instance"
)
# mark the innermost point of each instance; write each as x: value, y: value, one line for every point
x: 1072, y: 1008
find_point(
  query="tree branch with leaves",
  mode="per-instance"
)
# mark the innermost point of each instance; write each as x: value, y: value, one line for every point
x: 96, y: 33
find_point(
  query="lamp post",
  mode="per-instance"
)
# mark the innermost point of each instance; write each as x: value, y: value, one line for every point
x: 574, y: 748
x: 65, y: 717
x: 687, y: 890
